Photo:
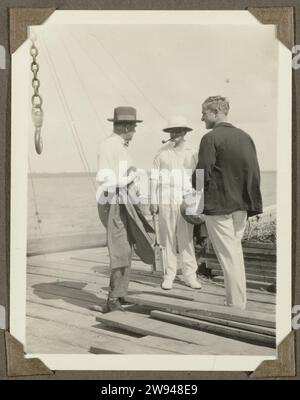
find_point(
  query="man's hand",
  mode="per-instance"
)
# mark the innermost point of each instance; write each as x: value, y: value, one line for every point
x: 131, y: 170
x: 153, y: 209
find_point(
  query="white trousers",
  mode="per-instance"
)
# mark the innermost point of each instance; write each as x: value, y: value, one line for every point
x: 226, y: 233
x: 175, y: 233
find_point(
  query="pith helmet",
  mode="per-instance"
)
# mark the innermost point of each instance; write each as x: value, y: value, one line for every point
x: 177, y: 122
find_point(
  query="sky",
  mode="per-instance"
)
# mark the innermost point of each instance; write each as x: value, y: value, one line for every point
x: 161, y: 70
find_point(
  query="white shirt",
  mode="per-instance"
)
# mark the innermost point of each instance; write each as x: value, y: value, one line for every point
x: 172, y: 170
x: 114, y: 160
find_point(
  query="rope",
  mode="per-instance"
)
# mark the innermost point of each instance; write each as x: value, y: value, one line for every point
x: 74, y: 131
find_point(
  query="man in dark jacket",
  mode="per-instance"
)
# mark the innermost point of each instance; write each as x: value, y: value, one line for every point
x: 231, y: 192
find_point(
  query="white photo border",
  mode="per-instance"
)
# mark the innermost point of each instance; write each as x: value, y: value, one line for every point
x: 20, y: 117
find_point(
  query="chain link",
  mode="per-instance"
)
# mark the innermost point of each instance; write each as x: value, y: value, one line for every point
x: 36, y: 99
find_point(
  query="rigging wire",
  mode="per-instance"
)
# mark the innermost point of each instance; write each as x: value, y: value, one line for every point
x: 128, y: 77
x: 74, y: 131
x: 37, y: 214
x: 82, y: 86
x: 124, y: 99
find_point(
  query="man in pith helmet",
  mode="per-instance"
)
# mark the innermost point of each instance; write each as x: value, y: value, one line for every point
x: 170, y: 180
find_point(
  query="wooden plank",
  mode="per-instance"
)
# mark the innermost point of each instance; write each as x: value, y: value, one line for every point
x: 258, y: 245
x: 60, y: 274
x: 249, y: 260
x: 227, y: 331
x: 65, y: 319
x: 68, y: 339
x: 259, y: 249
x: 69, y: 263
x: 254, y: 265
x: 210, y: 344
x: 51, y: 287
x: 251, y: 253
x: 250, y: 273
x: 207, y: 287
x: 152, y: 278
x: 54, y: 290
x: 177, y: 346
x: 88, y: 260
x: 231, y: 313
x: 210, y: 288
x: 60, y: 302
x: 225, y: 322
x: 250, y: 283
x: 86, y: 268
x: 249, y: 276
x: 84, y: 324
x: 94, y: 284
x: 57, y: 273
x: 38, y: 329
x: 120, y: 346
x: 43, y: 335
x: 94, y: 288
x: 43, y: 345
x: 72, y: 265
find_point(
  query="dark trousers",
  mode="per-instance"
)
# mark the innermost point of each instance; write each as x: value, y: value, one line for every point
x: 118, y: 283
x: 119, y: 245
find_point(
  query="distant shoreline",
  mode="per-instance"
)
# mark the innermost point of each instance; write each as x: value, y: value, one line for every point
x: 83, y: 174
x: 62, y: 175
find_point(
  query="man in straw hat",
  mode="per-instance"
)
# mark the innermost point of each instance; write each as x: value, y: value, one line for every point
x: 231, y: 192
x: 116, y: 176
x: 170, y: 179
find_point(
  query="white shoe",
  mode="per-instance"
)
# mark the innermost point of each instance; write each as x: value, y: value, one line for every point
x: 167, y: 284
x: 194, y: 284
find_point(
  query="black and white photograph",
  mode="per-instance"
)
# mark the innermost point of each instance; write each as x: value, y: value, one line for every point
x: 151, y: 191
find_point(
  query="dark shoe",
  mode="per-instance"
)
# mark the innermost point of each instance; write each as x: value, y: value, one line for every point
x: 113, y: 305
x: 123, y: 301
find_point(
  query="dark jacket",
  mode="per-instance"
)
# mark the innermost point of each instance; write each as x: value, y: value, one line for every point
x: 231, y: 171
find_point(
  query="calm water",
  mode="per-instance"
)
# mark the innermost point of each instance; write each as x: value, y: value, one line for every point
x: 66, y: 205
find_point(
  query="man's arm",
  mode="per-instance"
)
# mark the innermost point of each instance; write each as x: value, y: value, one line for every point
x: 188, y: 173
x: 206, y: 159
x: 108, y: 170
x: 154, y: 179
x: 256, y: 158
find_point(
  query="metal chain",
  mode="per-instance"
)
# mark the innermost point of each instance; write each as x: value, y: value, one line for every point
x: 36, y: 99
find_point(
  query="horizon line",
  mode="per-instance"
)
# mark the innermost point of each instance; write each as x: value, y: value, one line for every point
x: 91, y: 173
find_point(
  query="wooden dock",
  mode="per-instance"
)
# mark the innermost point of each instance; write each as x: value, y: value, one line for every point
x: 62, y: 288
x: 260, y: 265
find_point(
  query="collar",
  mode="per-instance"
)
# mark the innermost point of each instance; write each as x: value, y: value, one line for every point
x: 122, y: 141
x: 115, y: 135
x: 226, y: 124
x: 180, y: 147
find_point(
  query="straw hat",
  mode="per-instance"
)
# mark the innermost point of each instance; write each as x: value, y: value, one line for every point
x: 124, y: 114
